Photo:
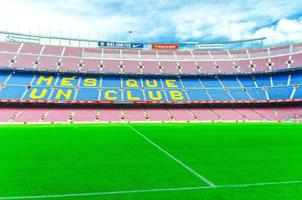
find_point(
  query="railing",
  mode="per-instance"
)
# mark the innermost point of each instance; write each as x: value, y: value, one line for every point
x: 82, y: 42
x: 76, y: 102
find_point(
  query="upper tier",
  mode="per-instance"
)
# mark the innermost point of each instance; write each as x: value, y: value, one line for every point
x: 125, y: 61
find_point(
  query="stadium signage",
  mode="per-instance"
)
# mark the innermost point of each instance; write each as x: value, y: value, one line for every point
x: 123, y: 45
x: 22, y: 38
x: 209, y: 47
x: 165, y: 46
x: 131, y: 91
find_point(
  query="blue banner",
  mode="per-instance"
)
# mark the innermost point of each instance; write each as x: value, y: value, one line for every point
x: 121, y: 45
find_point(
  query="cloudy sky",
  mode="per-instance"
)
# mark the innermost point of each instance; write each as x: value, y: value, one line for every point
x: 157, y: 20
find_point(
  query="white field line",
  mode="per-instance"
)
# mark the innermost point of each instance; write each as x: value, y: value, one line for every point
x: 208, y: 182
x: 151, y: 190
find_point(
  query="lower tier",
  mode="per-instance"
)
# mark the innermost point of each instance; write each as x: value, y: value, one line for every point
x: 99, y: 114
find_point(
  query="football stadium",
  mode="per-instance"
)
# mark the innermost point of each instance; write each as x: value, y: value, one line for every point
x: 154, y: 119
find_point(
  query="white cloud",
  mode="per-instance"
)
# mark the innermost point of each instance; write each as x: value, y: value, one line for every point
x: 155, y: 20
x: 47, y: 18
x: 285, y: 31
x: 234, y: 21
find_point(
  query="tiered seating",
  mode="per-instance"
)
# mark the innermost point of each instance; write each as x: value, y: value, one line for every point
x: 220, y: 81
x: 85, y: 115
x: 188, y: 67
x: 131, y: 66
x: 151, y: 67
x: 70, y: 64
x: 48, y: 63
x: 25, y: 61
x: 59, y: 115
x: 158, y: 114
x: 181, y: 114
x: 6, y: 59
x: 8, y: 113
x: 268, y: 113
x: 31, y: 48
x: 228, y: 114
x: 289, y: 112
x: 46, y: 114
x: 134, y: 114
x: 53, y: 50
x: 169, y: 67
x: 9, y: 47
x: 112, y: 115
x: 241, y: 61
x: 28, y: 86
x: 91, y: 65
x: 296, y: 57
x: 31, y: 115
x: 204, y: 114
x: 74, y: 59
x: 249, y: 114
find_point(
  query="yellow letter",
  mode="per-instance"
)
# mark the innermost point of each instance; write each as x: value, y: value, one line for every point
x: 154, y: 85
x: 108, y: 95
x: 132, y: 83
x: 90, y: 82
x: 171, y: 84
x: 43, y: 79
x: 176, y: 95
x: 158, y: 95
x: 61, y: 93
x: 33, y: 94
x: 132, y: 98
x: 67, y: 81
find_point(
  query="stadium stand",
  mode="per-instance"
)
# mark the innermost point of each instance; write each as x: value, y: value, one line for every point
x: 31, y: 86
x: 102, y: 114
x: 72, y: 59
x: 60, y: 84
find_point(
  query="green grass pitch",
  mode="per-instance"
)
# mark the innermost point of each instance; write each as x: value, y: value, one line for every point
x: 221, y: 161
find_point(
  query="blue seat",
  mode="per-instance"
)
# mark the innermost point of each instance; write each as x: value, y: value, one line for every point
x: 38, y: 93
x: 239, y: 94
x: 114, y: 93
x: 298, y: 94
x: 279, y: 93
x: 191, y: 83
x: 133, y: 95
x: 230, y: 82
x: 198, y: 95
x: 211, y: 83
x: 147, y: 88
x: 152, y: 83
x: 131, y: 82
x: 263, y: 80
x: 219, y: 95
x: 63, y: 94
x: 3, y: 77
x: 155, y: 95
x: 173, y: 81
x: 247, y: 81
x: 111, y: 82
x: 296, y: 78
x: 280, y: 80
x: 257, y: 94
x: 20, y: 79
x: 90, y: 82
x: 85, y: 94
x: 12, y: 92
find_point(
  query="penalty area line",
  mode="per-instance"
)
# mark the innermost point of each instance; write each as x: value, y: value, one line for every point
x: 188, y: 168
x: 151, y: 190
